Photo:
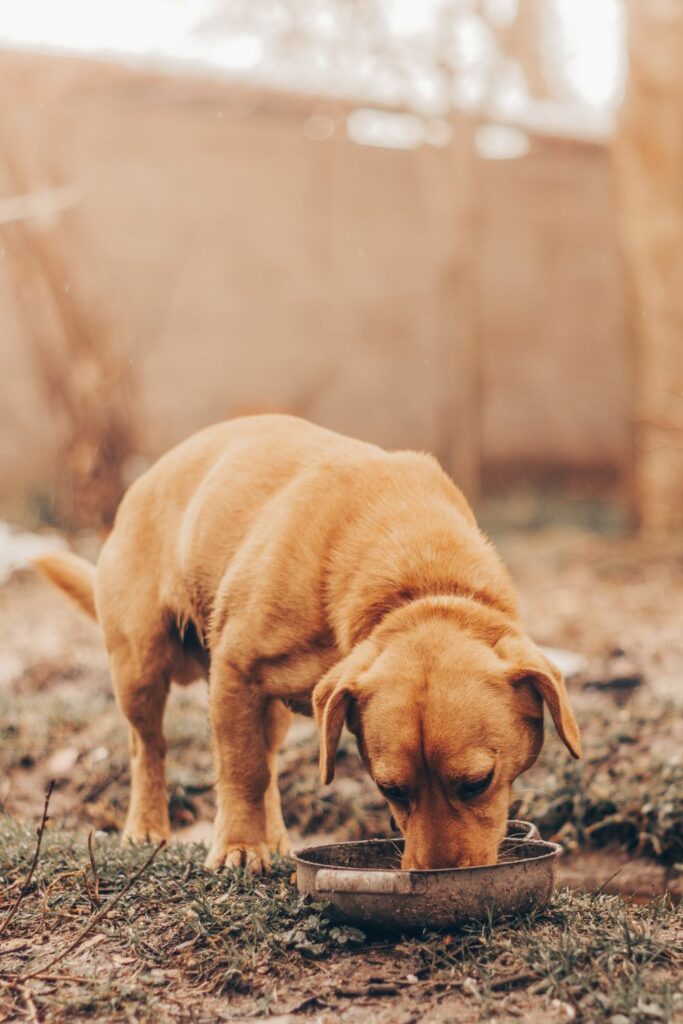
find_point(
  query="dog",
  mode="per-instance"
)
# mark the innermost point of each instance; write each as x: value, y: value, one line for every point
x: 300, y: 570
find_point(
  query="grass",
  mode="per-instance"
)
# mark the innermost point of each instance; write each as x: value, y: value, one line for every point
x: 628, y: 789
x: 184, y: 936
x: 593, y: 953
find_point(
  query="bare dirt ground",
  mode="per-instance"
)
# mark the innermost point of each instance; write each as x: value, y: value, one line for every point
x: 187, y: 946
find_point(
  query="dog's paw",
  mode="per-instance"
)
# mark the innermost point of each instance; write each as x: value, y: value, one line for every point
x: 138, y: 835
x: 255, y: 859
x: 280, y: 844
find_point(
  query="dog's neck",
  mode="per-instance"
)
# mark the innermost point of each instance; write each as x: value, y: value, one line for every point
x: 441, y: 557
x: 465, y: 611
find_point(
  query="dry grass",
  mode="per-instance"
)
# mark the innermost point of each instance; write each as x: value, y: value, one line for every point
x: 205, y: 941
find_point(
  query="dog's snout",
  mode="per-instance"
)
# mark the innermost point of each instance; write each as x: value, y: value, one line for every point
x: 427, y: 852
x: 413, y: 862
x: 454, y: 859
x: 441, y: 846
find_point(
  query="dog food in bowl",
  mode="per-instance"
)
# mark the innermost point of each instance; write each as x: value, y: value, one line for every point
x: 364, y: 885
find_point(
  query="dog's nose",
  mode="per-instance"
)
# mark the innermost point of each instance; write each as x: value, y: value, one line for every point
x: 414, y: 861
x: 427, y: 857
x: 415, y: 865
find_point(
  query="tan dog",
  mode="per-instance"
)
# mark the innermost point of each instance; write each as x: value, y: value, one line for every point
x: 298, y: 567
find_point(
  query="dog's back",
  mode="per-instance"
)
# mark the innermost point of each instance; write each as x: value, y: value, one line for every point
x: 190, y: 512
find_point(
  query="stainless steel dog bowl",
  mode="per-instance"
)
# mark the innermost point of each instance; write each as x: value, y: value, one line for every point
x: 364, y: 885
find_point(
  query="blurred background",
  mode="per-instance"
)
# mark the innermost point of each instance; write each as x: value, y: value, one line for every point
x: 454, y: 225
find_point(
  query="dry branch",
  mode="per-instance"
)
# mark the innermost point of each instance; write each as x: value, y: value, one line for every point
x: 24, y: 889
x: 101, y: 913
x: 93, y: 865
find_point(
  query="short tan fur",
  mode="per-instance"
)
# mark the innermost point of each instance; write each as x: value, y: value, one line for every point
x: 300, y: 568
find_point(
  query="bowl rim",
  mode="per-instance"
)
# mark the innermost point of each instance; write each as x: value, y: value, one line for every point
x: 304, y: 857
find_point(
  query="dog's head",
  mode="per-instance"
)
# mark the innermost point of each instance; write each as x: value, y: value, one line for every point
x: 446, y: 717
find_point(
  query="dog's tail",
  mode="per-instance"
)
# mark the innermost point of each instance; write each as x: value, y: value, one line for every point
x: 73, y: 575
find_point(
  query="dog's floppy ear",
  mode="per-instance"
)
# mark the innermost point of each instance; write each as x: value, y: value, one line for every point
x: 331, y: 701
x: 527, y: 662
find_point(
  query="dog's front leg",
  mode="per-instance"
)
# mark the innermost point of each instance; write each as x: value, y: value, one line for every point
x: 237, y: 709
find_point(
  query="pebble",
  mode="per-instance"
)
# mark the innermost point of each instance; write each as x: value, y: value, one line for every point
x: 62, y: 762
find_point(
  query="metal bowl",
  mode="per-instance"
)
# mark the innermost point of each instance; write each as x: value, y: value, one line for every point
x: 364, y: 884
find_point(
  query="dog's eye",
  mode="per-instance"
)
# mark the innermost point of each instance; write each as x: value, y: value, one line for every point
x: 396, y: 794
x: 468, y: 790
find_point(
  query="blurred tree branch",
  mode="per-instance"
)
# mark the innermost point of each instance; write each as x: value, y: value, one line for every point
x: 81, y: 369
x: 649, y: 171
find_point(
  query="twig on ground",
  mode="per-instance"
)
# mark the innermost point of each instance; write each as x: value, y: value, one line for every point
x: 305, y: 1004
x: 94, y: 792
x: 24, y: 889
x: 601, y: 889
x: 511, y: 981
x: 30, y: 1005
x: 93, y: 865
x: 76, y: 979
x: 368, y: 990
x: 101, y: 913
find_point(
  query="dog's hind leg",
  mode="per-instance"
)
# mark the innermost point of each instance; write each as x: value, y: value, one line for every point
x: 141, y: 687
x: 276, y: 723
